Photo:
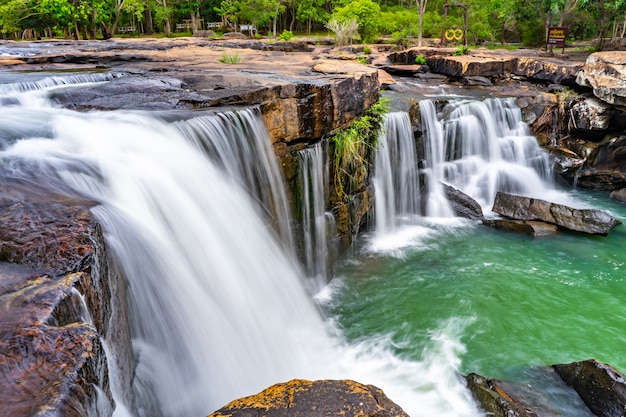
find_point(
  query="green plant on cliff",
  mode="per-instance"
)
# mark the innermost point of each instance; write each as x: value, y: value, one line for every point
x: 354, y: 145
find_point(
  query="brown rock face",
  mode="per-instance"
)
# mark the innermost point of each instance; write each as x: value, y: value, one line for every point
x: 50, y: 361
x: 314, y: 399
x: 605, y: 74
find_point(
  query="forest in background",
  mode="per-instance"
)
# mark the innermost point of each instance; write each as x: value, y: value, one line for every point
x: 488, y: 21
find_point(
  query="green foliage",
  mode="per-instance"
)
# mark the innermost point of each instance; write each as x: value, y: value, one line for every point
x: 366, y: 13
x: 461, y: 50
x: 286, y: 35
x: 367, y: 50
x: 362, y: 60
x: 230, y: 59
x: 420, y: 60
x: 353, y: 146
x: 534, y: 34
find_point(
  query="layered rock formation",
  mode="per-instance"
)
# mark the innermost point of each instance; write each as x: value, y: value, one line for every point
x: 51, y: 357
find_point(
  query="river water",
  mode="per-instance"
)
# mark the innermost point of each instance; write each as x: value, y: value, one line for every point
x: 219, y: 308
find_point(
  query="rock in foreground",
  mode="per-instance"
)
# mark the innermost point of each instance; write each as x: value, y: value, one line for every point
x: 324, y: 398
x: 591, y: 221
x: 589, y: 388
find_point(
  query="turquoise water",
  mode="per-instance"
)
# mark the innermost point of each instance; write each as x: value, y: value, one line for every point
x: 511, y: 300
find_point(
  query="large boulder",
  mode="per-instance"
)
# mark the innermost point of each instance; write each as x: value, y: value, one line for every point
x: 605, y: 74
x: 462, y: 204
x: 601, y: 387
x: 589, y: 221
x: 591, y: 114
x: 325, y: 398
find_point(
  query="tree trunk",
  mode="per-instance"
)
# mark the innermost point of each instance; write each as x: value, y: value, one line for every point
x: 147, y: 16
x: 194, y: 23
x: 168, y: 28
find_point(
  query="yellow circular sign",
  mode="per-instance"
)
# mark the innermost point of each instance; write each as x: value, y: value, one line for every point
x: 453, y: 34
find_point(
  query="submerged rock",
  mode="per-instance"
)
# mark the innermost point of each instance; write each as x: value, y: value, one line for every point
x: 323, y: 398
x: 531, y: 228
x: 590, y: 221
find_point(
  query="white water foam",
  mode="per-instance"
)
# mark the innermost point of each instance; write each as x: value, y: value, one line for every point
x: 218, y: 309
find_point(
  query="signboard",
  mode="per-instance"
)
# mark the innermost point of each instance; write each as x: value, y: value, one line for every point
x: 557, y: 36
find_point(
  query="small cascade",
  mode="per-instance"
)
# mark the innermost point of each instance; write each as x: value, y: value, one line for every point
x: 57, y: 81
x: 248, y: 158
x: 314, y: 177
x: 481, y: 148
x: 436, y: 202
x: 396, y: 181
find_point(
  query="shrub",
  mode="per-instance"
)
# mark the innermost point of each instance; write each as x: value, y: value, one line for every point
x: 230, y: 59
x: 354, y: 145
x: 286, y: 35
x: 420, y: 60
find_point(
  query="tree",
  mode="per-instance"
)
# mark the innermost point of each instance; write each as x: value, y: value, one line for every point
x: 366, y: 13
x: 421, y: 9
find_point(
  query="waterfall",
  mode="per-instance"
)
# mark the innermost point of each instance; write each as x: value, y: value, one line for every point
x: 396, y: 182
x: 482, y: 147
x: 436, y: 202
x: 238, y: 143
x: 217, y: 310
x: 313, y: 176
x: 217, y: 307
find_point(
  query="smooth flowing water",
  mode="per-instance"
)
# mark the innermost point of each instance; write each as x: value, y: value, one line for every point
x: 218, y: 306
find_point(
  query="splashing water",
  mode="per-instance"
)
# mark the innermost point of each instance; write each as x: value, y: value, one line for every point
x: 217, y: 307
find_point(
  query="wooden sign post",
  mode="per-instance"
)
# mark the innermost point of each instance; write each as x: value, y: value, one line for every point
x: 556, y: 37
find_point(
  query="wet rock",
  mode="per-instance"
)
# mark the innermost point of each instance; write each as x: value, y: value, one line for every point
x: 601, y: 387
x: 531, y: 228
x: 324, y: 398
x: 606, y: 165
x: 462, y: 204
x: 494, y: 399
x: 619, y: 195
x: 605, y: 74
x: 51, y: 237
x: 589, y: 221
x: 476, y: 81
x: 566, y: 163
x: 51, y: 361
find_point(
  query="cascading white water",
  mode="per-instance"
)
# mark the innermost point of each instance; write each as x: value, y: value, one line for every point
x: 481, y: 148
x: 217, y: 307
x: 313, y: 177
x: 436, y: 202
x: 396, y: 181
x: 248, y: 157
